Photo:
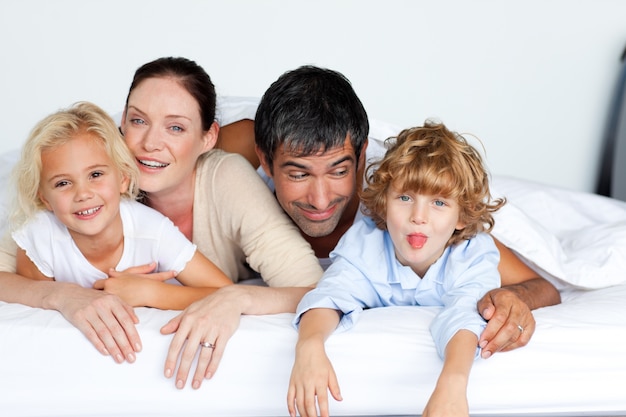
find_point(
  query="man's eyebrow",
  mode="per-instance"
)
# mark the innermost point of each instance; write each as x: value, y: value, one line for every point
x: 304, y: 167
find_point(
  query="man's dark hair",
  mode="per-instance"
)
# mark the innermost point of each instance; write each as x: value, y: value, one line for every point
x: 308, y: 110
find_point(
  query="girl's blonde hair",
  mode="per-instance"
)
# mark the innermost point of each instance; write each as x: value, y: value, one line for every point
x: 433, y: 160
x: 58, y: 129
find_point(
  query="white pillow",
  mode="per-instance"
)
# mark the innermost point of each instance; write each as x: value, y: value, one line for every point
x: 568, y: 237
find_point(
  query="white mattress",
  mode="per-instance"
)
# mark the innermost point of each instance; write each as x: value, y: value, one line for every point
x: 575, y: 365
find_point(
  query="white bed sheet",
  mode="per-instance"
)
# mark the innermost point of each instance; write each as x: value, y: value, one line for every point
x: 575, y: 365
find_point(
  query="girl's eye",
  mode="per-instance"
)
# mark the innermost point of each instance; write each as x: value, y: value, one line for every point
x: 97, y: 174
x: 61, y: 184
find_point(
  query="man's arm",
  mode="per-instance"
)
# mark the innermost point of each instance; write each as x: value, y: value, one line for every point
x: 508, y: 309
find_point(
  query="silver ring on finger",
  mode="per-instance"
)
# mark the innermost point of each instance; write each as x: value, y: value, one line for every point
x: 207, y: 345
x: 521, y: 329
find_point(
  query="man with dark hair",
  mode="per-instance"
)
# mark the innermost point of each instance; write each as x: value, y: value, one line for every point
x: 311, y: 134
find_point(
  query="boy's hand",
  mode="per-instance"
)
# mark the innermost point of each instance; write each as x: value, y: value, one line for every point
x: 312, y: 377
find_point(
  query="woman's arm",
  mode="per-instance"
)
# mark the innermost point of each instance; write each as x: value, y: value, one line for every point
x: 507, y: 309
x: 214, y: 319
x: 450, y: 395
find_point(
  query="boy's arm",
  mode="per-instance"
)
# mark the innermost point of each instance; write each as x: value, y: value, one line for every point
x: 450, y: 394
x: 312, y: 374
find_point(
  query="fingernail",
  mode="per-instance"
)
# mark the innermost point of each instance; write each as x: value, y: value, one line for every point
x: 486, y: 354
x: 180, y: 384
x: 208, y: 375
x: 138, y: 347
x: 483, y: 344
x: 168, y: 373
x: 119, y: 358
x: 130, y: 358
x: 195, y: 384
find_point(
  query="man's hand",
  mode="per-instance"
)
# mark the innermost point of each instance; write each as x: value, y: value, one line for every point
x: 510, y: 322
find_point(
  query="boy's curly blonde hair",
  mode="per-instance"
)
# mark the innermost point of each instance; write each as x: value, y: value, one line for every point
x: 433, y: 160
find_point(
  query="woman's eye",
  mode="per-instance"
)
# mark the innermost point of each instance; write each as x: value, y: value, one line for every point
x: 137, y: 121
x: 177, y: 129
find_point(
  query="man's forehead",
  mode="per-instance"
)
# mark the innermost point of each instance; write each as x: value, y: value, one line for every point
x: 291, y: 150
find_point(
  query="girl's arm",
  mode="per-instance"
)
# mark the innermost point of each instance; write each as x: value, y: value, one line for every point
x: 450, y: 395
x: 200, y: 278
x: 312, y: 374
x: 26, y: 268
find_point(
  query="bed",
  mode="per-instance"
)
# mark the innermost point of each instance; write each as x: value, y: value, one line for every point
x: 575, y: 364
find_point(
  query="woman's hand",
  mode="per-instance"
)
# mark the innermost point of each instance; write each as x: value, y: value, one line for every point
x: 210, y: 321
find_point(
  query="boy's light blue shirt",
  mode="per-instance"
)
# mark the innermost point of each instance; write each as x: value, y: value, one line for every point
x: 366, y: 274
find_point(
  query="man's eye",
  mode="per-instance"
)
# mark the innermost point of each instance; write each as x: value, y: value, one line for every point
x: 297, y: 176
x: 341, y: 172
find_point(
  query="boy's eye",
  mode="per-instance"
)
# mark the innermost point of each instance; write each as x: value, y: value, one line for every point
x: 404, y: 198
x: 440, y: 203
